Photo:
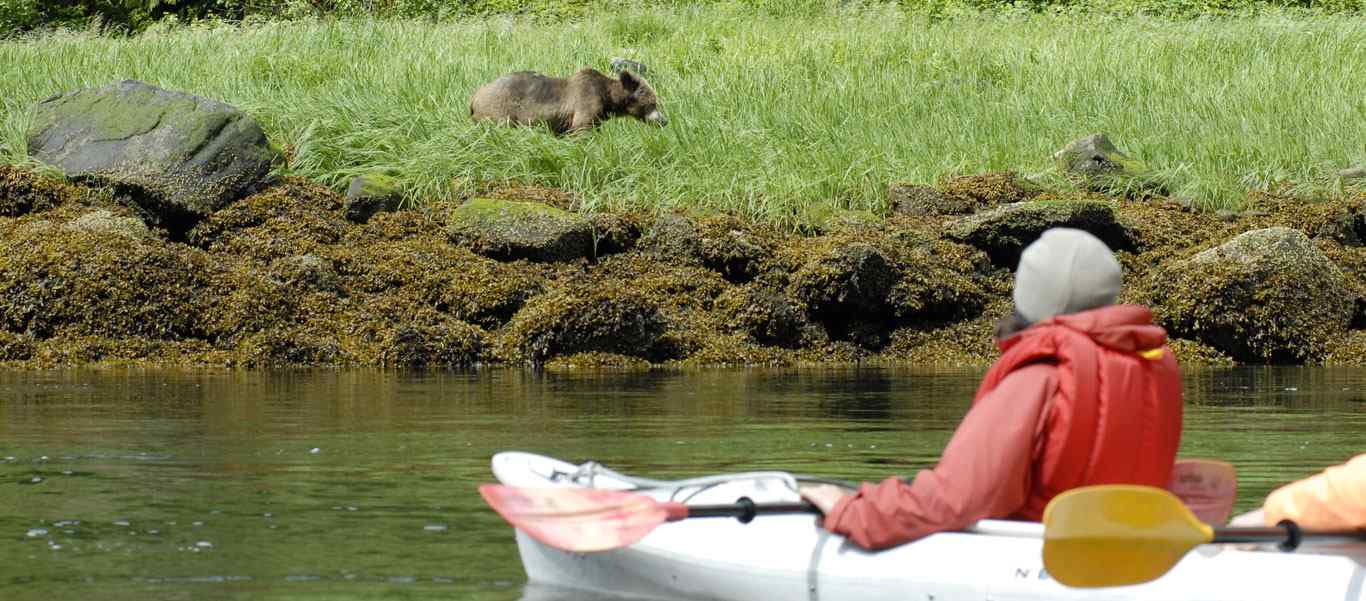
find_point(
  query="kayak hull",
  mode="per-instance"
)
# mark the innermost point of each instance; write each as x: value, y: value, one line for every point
x: 791, y: 557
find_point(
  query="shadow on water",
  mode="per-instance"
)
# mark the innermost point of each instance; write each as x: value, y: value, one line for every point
x: 361, y: 484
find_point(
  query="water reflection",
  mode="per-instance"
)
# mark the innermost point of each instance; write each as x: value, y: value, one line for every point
x: 360, y: 484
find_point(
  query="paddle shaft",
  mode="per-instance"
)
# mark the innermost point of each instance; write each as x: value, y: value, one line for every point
x: 1287, y: 535
x: 742, y: 509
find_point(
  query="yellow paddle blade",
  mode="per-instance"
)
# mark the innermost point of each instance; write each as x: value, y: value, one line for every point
x: 1115, y: 535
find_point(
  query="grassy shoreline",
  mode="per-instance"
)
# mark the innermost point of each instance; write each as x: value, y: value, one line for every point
x: 772, y: 117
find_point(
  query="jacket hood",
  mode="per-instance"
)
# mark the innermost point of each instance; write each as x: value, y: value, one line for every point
x: 1124, y: 328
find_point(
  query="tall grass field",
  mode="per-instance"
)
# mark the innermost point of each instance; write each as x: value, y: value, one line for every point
x: 770, y: 116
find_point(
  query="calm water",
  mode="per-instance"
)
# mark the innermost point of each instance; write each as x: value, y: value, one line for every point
x: 361, y: 485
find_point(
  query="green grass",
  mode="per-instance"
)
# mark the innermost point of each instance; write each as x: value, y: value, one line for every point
x: 769, y: 114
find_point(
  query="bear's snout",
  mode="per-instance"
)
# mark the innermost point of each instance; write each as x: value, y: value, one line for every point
x: 657, y: 118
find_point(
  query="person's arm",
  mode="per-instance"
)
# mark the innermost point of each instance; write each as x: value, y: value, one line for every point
x: 984, y: 472
x: 1332, y: 500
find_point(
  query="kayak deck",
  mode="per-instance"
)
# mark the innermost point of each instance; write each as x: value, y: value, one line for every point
x: 791, y: 557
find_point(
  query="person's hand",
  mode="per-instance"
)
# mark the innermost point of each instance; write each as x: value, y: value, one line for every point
x: 823, y: 496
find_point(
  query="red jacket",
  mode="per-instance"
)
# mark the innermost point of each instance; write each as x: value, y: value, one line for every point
x: 1080, y: 399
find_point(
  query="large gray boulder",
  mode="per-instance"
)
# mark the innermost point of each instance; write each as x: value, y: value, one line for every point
x: 508, y: 230
x: 1005, y: 231
x: 187, y: 156
x: 1266, y: 296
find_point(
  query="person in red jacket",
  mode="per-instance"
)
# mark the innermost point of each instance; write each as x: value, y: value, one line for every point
x: 1085, y: 392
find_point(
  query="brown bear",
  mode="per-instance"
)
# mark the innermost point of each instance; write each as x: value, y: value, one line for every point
x: 577, y: 103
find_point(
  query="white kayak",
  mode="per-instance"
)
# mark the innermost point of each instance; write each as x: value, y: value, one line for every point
x: 788, y: 557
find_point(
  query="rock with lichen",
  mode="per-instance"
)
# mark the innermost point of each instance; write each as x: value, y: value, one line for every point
x: 612, y: 317
x: 509, y: 230
x: 1094, y: 163
x: 187, y: 156
x: 1266, y: 296
x: 1005, y: 231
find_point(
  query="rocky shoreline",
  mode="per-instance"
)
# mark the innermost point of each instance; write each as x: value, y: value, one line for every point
x: 288, y: 272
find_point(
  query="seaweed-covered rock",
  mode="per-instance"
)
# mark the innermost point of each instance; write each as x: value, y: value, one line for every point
x: 766, y: 314
x: 596, y: 361
x: 846, y: 288
x: 307, y: 272
x: 370, y: 194
x: 102, y: 221
x: 615, y: 233
x: 509, y: 230
x: 188, y: 155
x: 15, y: 347
x: 438, y: 340
x: 1094, y: 163
x: 296, y: 217
x: 22, y: 192
x: 941, y: 281
x: 611, y: 317
x: 673, y: 238
x: 736, y: 250
x: 84, y: 282
x: 962, y: 195
x: 1266, y: 296
x: 1005, y: 231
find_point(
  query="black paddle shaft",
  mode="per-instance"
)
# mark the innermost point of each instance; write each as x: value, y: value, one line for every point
x: 1286, y: 534
x: 745, y: 509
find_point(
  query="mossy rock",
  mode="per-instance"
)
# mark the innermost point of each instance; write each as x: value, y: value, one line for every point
x: 821, y: 218
x: 509, y: 230
x: 1266, y: 296
x: 187, y: 156
x: 1094, y: 163
x: 97, y: 283
x: 612, y: 317
x: 1005, y: 231
x: 371, y: 194
x: 304, y: 272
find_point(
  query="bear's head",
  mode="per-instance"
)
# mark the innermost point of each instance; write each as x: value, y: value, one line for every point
x: 640, y: 99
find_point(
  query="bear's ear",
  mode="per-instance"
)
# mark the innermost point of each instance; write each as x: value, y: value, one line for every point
x: 630, y: 81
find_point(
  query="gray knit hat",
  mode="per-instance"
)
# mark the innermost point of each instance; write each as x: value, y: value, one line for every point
x: 1065, y: 271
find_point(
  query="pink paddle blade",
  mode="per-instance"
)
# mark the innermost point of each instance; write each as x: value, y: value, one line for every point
x: 581, y: 520
x: 1208, y: 487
